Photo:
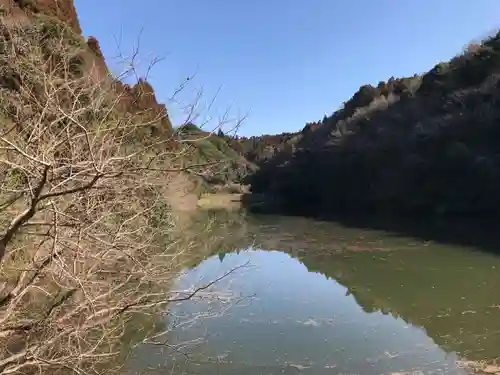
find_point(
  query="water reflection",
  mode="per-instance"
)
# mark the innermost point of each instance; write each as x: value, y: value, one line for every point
x: 334, y: 300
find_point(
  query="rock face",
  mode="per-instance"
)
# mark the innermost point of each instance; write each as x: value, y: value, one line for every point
x: 64, y: 10
x: 137, y: 98
x: 141, y: 98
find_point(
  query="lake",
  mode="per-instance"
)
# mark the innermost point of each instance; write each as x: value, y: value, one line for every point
x: 305, y: 297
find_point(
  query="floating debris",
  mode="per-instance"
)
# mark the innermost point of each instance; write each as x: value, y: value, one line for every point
x: 469, y: 312
x: 311, y: 322
x: 390, y: 355
x: 298, y: 367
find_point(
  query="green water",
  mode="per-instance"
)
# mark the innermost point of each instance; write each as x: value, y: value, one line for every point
x: 318, y: 298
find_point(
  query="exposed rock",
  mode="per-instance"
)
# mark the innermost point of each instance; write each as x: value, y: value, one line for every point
x: 139, y: 98
x: 94, y: 46
x: 63, y: 10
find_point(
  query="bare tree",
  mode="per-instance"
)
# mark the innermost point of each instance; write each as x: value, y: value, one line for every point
x: 87, y: 239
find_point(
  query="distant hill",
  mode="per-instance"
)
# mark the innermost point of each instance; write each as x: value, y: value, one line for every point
x: 427, y: 144
x: 218, y: 156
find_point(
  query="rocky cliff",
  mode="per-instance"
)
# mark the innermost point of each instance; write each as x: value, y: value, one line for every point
x: 134, y: 98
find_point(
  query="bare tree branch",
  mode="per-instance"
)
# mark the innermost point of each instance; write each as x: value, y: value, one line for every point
x: 88, y: 240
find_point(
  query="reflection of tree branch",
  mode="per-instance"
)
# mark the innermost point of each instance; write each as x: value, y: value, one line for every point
x: 206, y: 286
x: 143, y: 302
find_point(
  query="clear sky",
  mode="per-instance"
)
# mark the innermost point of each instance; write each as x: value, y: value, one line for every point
x: 284, y: 62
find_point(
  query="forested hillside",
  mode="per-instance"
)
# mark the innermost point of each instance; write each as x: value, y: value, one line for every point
x: 212, y: 156
x: 425, y: 144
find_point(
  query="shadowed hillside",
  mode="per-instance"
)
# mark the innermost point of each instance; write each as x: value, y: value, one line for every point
x: 418, y: 145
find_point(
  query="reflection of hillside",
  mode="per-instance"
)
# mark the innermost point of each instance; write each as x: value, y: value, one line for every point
x: 450, y: 295
x: 447, y: 291
x: 299, y: 235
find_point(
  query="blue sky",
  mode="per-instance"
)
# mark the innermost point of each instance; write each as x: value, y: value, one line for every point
x: 282, y: 62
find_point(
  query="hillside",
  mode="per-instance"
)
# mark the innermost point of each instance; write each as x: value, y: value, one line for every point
x: 139, y: 98
x: 217, y: 155
x: 92, y: 180
x: 418, y: 145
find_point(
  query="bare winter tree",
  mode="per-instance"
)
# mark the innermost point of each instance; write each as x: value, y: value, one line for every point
x: 87, y: 241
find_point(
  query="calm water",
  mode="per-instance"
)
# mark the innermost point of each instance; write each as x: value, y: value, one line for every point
x: 317, y: 298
